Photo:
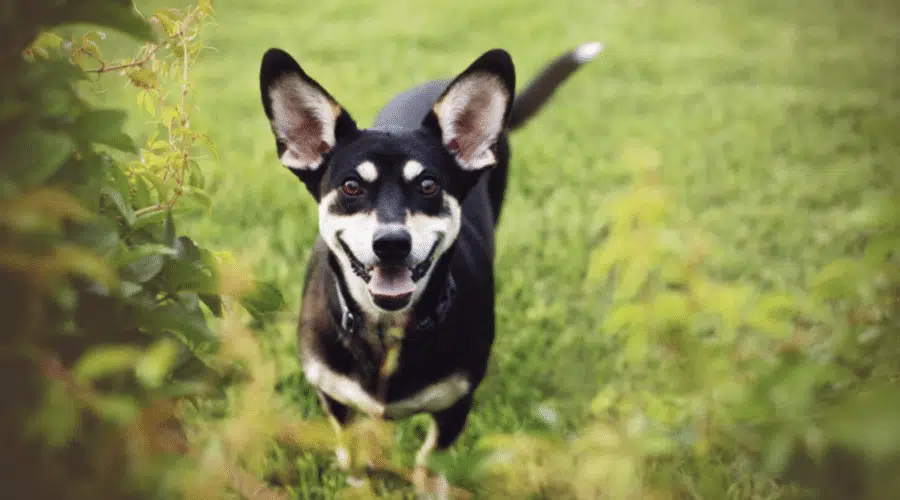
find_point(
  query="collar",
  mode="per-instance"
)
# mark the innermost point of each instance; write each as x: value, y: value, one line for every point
x: 350, y: 323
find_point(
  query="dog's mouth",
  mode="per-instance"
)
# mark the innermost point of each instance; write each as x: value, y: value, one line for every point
x: 391, y: 286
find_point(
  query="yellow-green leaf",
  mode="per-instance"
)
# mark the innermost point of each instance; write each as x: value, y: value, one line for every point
x: 104, y: 360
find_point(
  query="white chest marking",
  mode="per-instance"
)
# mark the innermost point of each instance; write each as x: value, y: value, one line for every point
x: 437, y: 396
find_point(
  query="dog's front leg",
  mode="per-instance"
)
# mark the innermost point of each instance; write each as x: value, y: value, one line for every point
x: 340, y: 417
x: 446, y: 426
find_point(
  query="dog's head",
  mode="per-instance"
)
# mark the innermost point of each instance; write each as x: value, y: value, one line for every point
x: 389, y: 202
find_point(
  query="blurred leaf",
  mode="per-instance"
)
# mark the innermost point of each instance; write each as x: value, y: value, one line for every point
x: 141, y: 252
x: 58, y: 417
x: 144, y: 269
x: 145, y: 79
x: 124, y: 208
x: 119, y: 408
x: 104, y: 360
x: 175, y: 318
x: 86, y: 263
x: 120, y: 16
x: 169, y: 229
x: 265, y: 300
x: 157, y: 362
x: 104, y: 126
x: 43, y: 154
x: 837, y: 280
x: 869, y: 422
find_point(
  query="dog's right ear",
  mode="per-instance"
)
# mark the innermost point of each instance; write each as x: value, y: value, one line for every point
x: 306, y: 120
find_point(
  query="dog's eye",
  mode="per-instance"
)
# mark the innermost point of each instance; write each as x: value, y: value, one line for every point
x: 428, y: 187
x: 351, y: 188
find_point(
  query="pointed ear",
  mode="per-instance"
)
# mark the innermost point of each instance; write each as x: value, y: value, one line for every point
x: 306, y: 120
x: 472, y: 112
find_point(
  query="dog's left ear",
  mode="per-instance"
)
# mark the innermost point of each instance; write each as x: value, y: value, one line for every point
x: 472, y: 112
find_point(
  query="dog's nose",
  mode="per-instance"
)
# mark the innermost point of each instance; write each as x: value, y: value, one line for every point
x: 392, y: 244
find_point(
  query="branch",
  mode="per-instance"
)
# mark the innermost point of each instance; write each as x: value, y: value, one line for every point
x: 138, y: 62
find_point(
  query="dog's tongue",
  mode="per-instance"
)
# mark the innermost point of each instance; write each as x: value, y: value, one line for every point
x: 392, y: 281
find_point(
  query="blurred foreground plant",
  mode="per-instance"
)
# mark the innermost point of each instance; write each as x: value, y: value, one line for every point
x: 724, y: 390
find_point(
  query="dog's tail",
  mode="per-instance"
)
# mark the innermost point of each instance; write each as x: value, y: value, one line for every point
x: 538, y: 92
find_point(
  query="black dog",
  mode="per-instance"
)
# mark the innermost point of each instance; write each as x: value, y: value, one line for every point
x: 407, y: 214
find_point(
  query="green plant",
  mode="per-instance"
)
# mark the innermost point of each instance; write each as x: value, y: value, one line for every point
x: 106, y: 306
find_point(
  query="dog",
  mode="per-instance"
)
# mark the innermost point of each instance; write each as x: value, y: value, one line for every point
x: 408, y: 210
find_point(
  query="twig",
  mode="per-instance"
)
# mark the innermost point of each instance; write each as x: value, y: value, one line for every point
x: 139, y: 62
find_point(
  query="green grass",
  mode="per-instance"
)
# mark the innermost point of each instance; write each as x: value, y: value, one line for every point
x: 773, y: 120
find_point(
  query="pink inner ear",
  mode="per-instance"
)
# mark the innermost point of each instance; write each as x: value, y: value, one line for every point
x: 304, y: 134
x: 469, y: 127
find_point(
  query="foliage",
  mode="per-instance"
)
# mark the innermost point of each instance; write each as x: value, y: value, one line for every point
x: 792, y: 388
x: 106, y: 305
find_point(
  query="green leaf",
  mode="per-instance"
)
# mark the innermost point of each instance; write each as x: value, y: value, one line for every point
x: 144, y: 269
x: 116, y: 407
x: 169, y: 229
x: 42, y: 154
x: 100, y: 235
x: 196, y: 178
x: 123, y: 207
x: 174, y: 318
x: 120, y: 16
x: 184, y: 276
x: 213, y: 302
x: 210, y: 145
x: 145, y: 79
x: 265, y: 300
x: 58, y: 417
x: 197, y: 196
x: 186, y: 250
x: 157, y: 362
x: 868, y: 421
x: 140, y: 252
x: 104, y: 360
x: 838, y: 279
x: 142, y: 197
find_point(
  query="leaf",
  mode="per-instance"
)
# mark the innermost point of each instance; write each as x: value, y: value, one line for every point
x: 213, y: 302
x: 140, y: 252
x: 104, y: 126
x: 100, y: 236
x: 86, y: 263
x: 210, y: 145
x: 116, y: 407
x: 184, y: 276
x: 175, y: 318
x: 42, y: 154
x: 123, y: 207
x: 144, y: 269
x: 142, y: 196
x: 120, y: 16
x: 186, y: 250
x: 169, y: 229
x: 263, y: 301
x: 157, y: 362
x: 195, y: 174
x: 58, y: 417
x: 868, y: 421
x: 838, y: 279
x: 197, y: 196
x: 104, y: 360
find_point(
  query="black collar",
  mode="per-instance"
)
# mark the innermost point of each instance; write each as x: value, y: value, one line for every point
x: 349, y: 322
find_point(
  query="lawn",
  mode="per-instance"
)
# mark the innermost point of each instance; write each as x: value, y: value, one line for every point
x: 772, y: 120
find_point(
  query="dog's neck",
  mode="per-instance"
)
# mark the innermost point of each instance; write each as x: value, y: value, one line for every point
x: 426, y: 314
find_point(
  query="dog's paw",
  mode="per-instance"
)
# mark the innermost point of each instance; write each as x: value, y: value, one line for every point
x: 356, y: 481
x: 430, y: 488
x: 343, y: 458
